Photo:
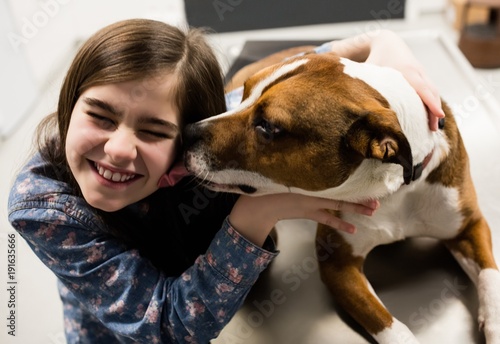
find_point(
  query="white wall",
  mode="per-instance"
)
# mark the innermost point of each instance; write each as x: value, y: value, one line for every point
x: 18, y: 89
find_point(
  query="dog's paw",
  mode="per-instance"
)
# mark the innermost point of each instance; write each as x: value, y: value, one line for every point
x: 489, y: 301
x: 491, y: 328
x: 398, y: 333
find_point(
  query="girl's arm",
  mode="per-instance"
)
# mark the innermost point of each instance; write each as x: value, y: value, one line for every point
x: 113, y: 284
x: 128, y: 294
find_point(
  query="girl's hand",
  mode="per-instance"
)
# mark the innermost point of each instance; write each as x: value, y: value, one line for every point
x: 385, y: 48
x: 254, y: 217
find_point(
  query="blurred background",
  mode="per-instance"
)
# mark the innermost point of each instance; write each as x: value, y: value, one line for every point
x: 38, y: 39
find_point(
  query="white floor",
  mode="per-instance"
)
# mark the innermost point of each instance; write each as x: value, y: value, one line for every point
x: 38, y: 312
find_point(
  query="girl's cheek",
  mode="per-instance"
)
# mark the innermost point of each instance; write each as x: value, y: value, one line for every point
x: 82, y: 140
x: 89, y: 138
x: 162, y: 158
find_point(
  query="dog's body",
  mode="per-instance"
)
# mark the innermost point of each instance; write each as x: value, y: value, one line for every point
x: 325, y: 126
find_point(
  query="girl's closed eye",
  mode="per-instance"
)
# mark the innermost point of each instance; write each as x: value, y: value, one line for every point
x: 101, y: 120
x: 157, y: 134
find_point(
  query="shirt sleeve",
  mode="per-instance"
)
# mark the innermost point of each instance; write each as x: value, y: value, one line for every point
x: 323, y: 48
x: 128, y: 294
x: 233, y: 98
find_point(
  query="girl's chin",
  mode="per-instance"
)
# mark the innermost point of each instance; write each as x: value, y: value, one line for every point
x: 110, y: 204
x: 100, y: 202
x: 108, y: 207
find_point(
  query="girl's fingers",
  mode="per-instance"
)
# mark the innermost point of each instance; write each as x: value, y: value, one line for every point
x: 330, y: 220
x: 327, y: 218
x: 364, y: 208
x: 429, y: 95
x: 433, y: 104
x: 372, y: 204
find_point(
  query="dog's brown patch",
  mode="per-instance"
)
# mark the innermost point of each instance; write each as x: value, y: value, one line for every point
x: 342, y: 273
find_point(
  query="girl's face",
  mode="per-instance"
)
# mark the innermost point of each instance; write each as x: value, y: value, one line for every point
x: 121, y: 139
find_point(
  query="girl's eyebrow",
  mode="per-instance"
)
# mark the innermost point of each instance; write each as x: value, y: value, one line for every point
x: 103, y: 105
x: 144, y: 118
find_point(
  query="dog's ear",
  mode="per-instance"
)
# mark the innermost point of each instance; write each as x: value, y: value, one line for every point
x: 378, y: 135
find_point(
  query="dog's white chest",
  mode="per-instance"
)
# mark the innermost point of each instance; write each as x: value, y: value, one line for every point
x: 424, y: 209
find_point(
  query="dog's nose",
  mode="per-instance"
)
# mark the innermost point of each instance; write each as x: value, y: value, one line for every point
x: 191, y: 135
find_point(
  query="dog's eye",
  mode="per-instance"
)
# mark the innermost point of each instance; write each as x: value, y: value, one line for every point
x: 267, y: 131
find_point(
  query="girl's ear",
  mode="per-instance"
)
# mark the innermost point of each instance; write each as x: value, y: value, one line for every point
x: 379, y: 136
x: 176, y: 172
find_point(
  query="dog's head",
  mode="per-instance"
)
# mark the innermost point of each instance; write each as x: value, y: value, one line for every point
x: 308, y: 125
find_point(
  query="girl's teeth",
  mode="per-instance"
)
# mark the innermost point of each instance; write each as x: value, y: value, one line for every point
x: 107, y: 174
x: 116, y: 177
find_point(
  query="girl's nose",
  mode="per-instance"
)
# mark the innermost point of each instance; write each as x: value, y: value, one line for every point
x: 121, y: 146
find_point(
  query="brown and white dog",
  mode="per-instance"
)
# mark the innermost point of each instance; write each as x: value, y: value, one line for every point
x: 326, y: 126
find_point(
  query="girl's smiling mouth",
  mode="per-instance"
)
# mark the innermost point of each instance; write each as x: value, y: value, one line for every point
x: 113, y: 176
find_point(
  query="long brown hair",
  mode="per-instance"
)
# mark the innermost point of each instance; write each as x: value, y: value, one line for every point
x: 131, y: 50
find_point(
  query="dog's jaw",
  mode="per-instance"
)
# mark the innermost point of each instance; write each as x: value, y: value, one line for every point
x: 230, y: 180
x: 372, y: 179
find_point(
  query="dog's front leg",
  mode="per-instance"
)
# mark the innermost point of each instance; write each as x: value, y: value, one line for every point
x: 342, y: 272
x: 472, y: 249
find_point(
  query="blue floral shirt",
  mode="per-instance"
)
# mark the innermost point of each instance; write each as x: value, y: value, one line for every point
x: 111, y: 292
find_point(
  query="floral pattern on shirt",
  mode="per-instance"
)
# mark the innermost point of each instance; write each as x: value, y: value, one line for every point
x: 111, y: 293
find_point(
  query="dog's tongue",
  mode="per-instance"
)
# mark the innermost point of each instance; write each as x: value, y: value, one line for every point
x: 174, y: 175
x: 177, y: 172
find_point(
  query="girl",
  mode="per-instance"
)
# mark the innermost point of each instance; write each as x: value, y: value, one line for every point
x: 140, y: 256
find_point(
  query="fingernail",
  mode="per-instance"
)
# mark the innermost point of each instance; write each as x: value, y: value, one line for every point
x: 439, y: 114
x: 374, y: 205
